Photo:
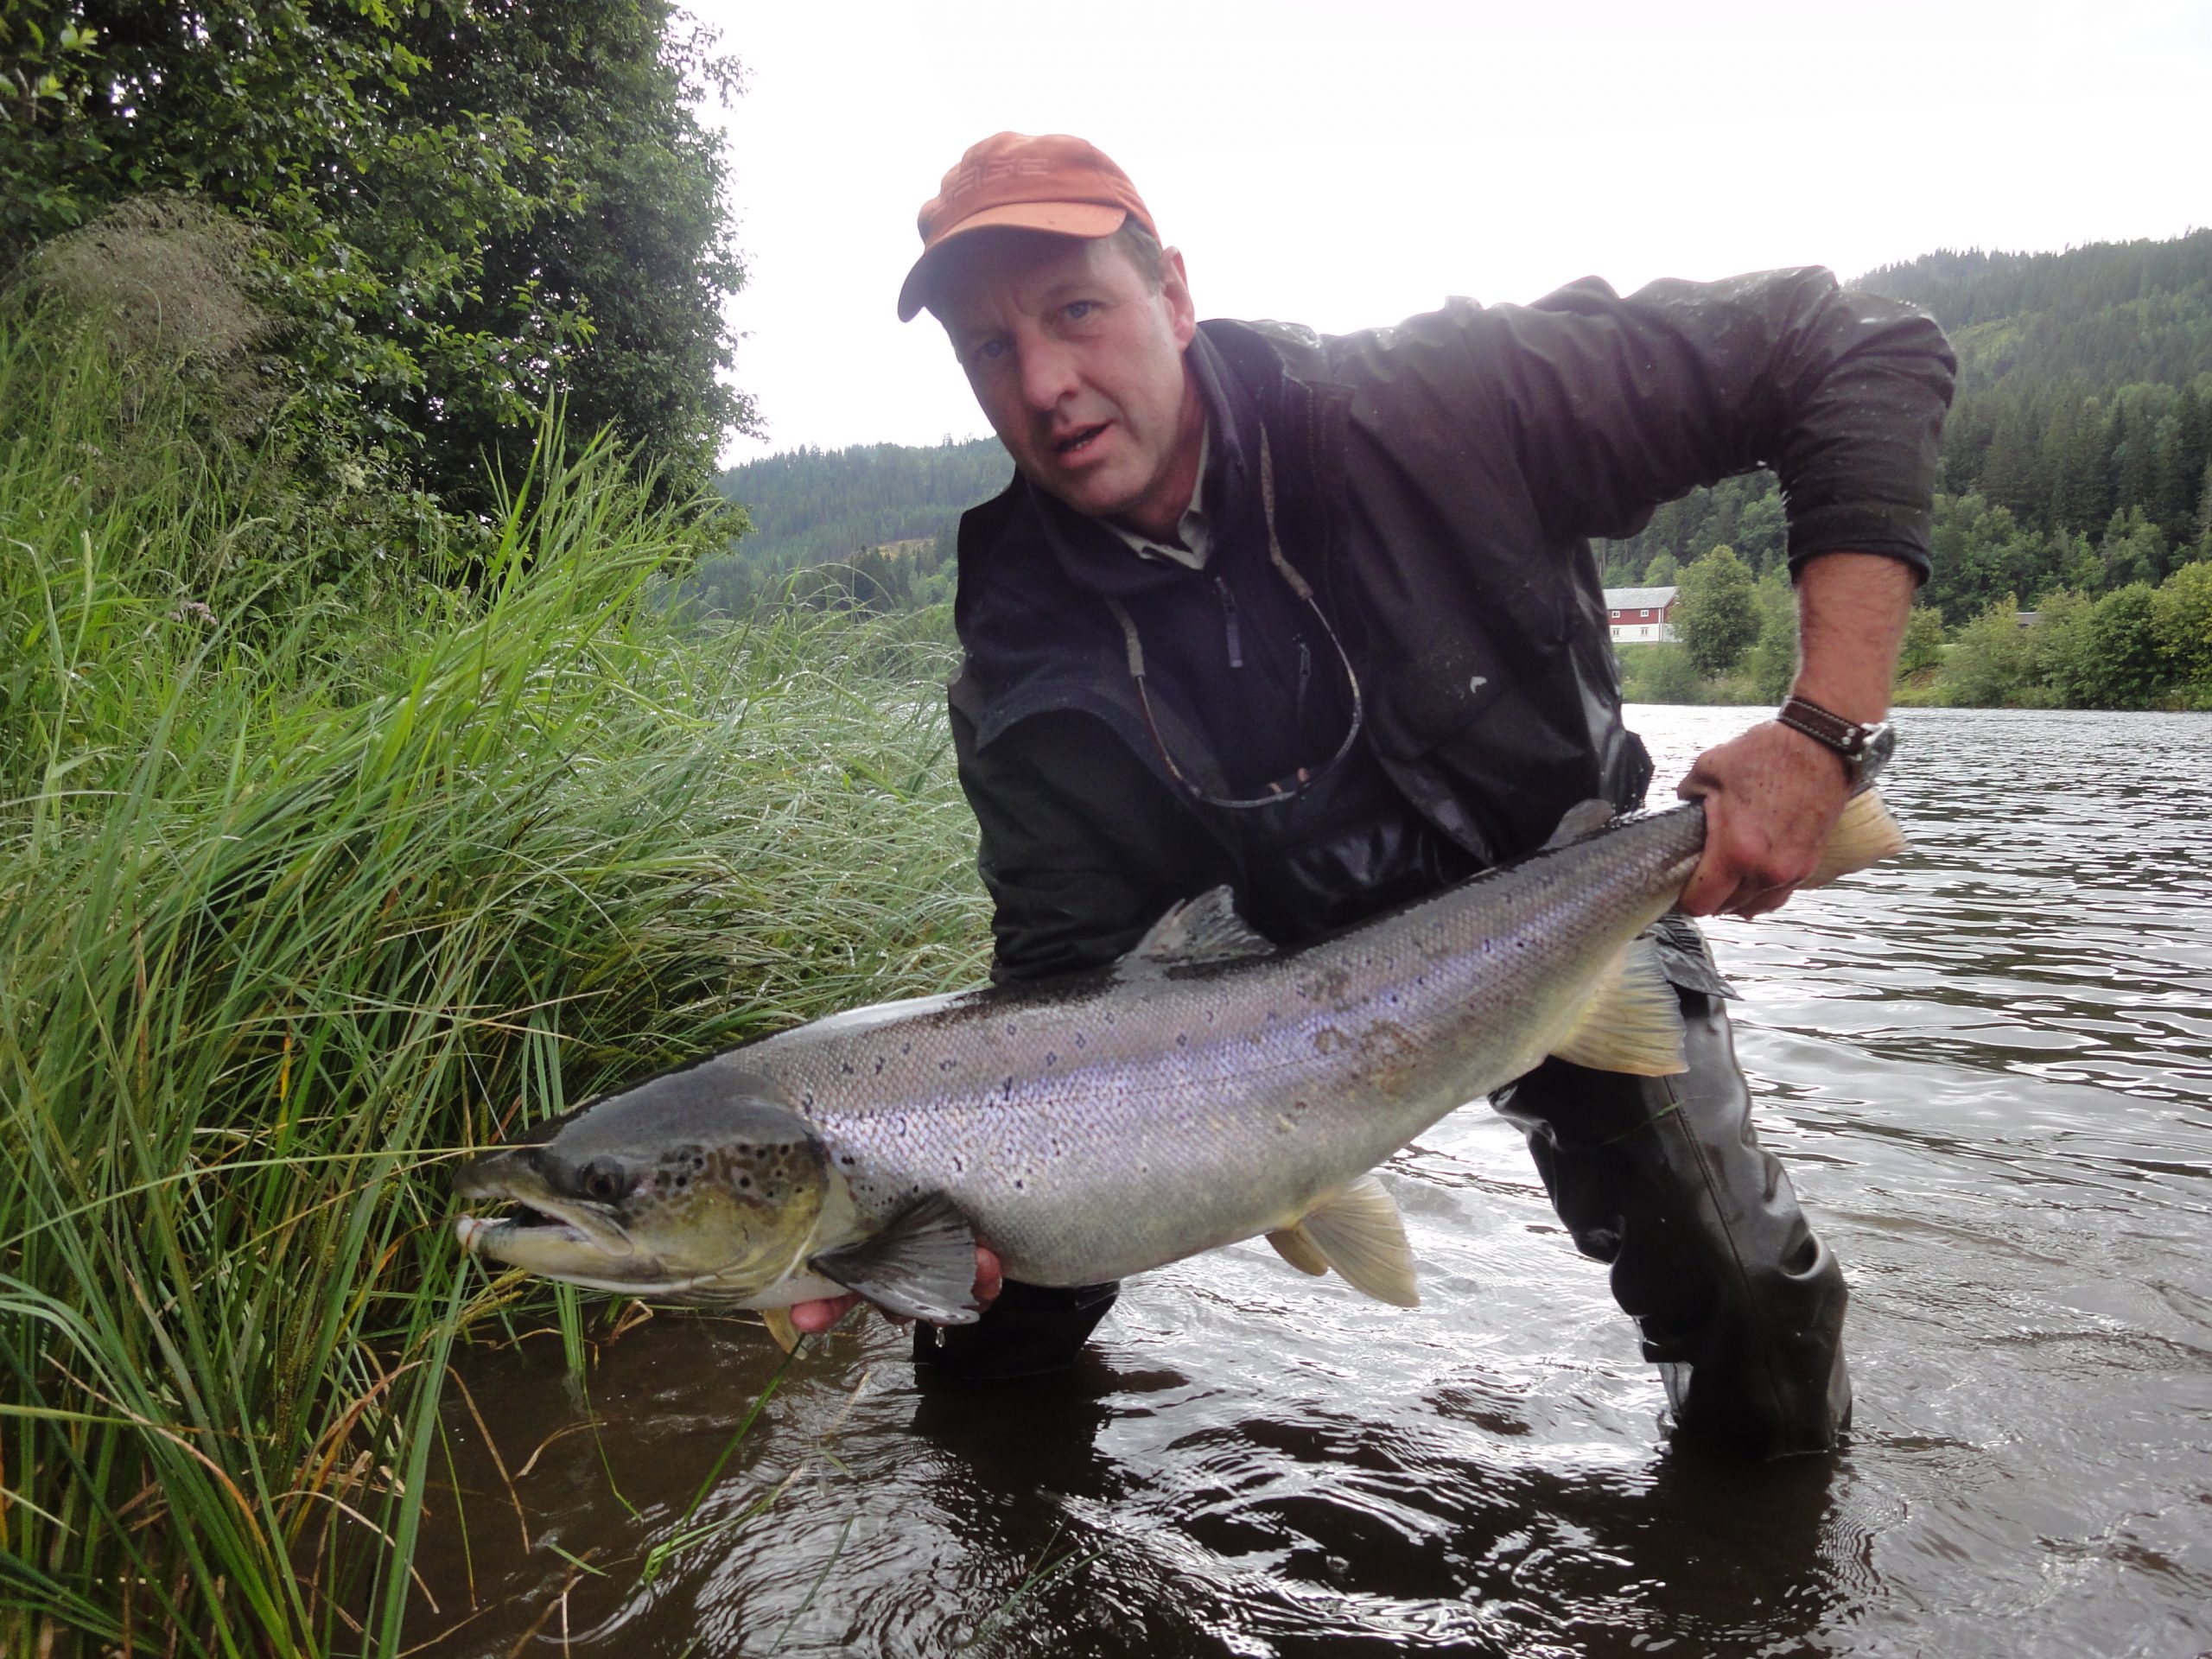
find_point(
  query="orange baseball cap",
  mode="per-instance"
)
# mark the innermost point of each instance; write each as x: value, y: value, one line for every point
x: 1051, y: 183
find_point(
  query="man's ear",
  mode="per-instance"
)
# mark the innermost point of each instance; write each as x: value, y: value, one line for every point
x: 1175, y: 288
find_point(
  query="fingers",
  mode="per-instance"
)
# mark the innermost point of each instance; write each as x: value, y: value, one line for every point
x: 815, y: 1317
x: 1770, y: 798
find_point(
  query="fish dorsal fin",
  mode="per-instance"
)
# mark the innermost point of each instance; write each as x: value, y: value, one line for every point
x: 1357, y: 1231
x: 1865, y: 835
x: 1201, y: 930
x: 923, y: 1265
x: 1584, y: 818
x: 1632, y: 1021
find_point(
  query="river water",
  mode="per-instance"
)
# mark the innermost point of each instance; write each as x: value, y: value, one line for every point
x: 1989, y: 1068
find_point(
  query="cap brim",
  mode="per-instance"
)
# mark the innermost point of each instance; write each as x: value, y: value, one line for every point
x: 1087, y: 219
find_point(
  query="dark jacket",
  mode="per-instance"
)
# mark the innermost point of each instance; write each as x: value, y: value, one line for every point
x: 1437, y: 484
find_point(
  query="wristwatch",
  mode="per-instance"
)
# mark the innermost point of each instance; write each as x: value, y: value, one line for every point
x: 1864, y: 750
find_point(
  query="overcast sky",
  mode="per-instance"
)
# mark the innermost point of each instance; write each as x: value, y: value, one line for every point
x: 1347, y: 165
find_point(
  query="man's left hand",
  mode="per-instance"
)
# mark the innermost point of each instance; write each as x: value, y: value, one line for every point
x: 1771, y: 797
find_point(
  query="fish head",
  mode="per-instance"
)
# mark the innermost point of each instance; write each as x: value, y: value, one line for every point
x: 702, y: 1185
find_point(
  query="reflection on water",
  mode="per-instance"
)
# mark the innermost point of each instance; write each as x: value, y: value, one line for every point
x: 1990, y: 1068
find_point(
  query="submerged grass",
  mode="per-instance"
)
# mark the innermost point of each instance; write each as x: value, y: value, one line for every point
x: 309, y: 882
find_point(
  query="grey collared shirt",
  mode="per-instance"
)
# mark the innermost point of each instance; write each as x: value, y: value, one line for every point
x: 1194, y: 529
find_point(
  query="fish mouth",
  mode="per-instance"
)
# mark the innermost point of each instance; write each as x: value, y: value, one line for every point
x: 536, y: 1223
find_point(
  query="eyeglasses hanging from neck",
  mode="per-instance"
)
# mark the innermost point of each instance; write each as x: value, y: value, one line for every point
x: 1290, y: 786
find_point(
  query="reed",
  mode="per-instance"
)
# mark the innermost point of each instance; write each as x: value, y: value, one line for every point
x: 313, y: 874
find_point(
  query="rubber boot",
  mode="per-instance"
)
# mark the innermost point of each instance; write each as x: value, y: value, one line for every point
x: 1027, y: 1331
x: 1663, y: 1179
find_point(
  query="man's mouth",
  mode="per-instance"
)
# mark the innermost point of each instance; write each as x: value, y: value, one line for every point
x: 1076, y: 442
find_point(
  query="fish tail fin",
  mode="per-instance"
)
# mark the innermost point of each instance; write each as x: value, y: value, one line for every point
x: 1632, y: 1021
x: 1357, y: 1231
x: 1865, y: 835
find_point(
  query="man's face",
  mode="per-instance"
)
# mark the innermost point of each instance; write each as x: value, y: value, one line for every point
x: 1078, y: 363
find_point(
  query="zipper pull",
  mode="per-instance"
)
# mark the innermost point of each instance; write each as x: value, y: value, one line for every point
x: 1304, y: 670
x: 1229, y: 623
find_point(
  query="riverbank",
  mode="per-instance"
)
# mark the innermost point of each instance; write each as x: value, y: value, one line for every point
x: 316, y: 873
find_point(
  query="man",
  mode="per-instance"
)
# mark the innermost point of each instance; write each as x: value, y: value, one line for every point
x: 1318, y: 618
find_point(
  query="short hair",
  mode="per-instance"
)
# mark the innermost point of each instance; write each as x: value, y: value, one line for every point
x: 1143, y: 251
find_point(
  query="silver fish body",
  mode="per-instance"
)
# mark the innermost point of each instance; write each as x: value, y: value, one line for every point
x: 1206, y: 1089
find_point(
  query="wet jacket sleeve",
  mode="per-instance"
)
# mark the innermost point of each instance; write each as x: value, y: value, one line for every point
x: 1072, y: 886
x: 1618, y: 404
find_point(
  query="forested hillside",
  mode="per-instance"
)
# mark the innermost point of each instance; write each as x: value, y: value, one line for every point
x: 844, y: 507
x: 2077, y: 452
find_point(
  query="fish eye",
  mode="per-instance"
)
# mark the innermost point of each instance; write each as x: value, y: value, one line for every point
x: 603, y: 1181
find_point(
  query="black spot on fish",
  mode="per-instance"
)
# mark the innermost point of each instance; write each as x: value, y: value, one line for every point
x: 1182, y: 1039
x: 1052, y: 1058
x: 944, y: 1065
x: 878, y: 1065
x: 846, y: 1068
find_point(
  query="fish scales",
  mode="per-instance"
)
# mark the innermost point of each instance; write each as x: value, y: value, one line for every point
x: 1095, y: 1130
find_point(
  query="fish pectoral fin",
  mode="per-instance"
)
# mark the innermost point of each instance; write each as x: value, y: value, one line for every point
x: 1296, y: 1246
x: 779, y: 1321
x: 923, y: 1265
x: 1865, y: 835
x: 1632, y: 1021
x: 1200, y: 929
x: 1357, y: 1231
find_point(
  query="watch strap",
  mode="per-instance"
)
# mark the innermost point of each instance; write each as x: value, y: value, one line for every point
x: 1825, y: 727
x: 1864, y: 750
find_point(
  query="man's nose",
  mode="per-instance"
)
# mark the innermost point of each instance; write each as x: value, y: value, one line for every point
x: 1048, y: 374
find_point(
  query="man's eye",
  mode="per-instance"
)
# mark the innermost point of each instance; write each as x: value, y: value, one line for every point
x: 1078, y: 309
x: 990, y: 350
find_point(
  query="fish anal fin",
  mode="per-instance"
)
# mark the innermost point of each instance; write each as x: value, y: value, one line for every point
x: 1357, y: 1231
x: 1295, y: 1247
x: 1632, y: 1020
x: 1205, y: 929
x: 779, y: 1321
x: 921, y: 1265
x: 1865, y: 835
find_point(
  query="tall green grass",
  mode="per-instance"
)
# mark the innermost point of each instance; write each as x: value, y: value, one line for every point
x: 313, y: 873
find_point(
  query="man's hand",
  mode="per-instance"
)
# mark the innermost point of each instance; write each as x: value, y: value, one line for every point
x: 812, y: 1318
x: 1772, y: 795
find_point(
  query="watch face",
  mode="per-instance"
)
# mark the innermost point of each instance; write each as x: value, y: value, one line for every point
x: 1876, y: 745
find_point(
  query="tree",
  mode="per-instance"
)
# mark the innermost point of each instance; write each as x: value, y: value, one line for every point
x: 2119, y: 664
x: 1716, y: 614
x: 1923, y: 642
x: 1773, y: 657
x: 2181, y: 622
x: 2133, y: 550
x: 464, y: 207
